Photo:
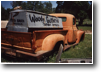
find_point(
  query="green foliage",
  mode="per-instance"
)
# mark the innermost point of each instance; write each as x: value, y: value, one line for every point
x: 32, y: 5
x: 80, y: 9
x: 5, y: 13
x: 48, y: 7
x: 82, y: 50
x: 16, y: 3
x: 85, y: 28
x: 87, y: 21
x: 82, y: 14
x: 45, y: 7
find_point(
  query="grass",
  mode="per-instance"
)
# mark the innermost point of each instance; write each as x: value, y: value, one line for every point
x: 82, y: 50
x: 84, y: 28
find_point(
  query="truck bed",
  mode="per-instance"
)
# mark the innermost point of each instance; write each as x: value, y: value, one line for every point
x: 15, y: 43
x: 11, y: 38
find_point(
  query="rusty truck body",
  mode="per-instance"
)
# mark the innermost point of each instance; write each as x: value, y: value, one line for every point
x: 36, y: 34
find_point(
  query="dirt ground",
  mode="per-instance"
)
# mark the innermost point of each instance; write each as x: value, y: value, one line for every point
x: 4, y: 23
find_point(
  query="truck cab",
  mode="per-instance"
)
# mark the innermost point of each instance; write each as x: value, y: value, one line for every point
x: 69, y: 23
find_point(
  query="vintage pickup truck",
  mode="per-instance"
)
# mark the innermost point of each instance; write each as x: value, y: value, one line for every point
x: 36, y: 34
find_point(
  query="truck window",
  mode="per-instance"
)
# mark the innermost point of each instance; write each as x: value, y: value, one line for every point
x: 63, y: 19
x: 73, y: 21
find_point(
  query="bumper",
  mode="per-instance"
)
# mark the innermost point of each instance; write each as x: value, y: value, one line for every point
x: 19, y: 53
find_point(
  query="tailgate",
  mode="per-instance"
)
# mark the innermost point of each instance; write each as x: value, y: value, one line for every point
x: 16, y: 38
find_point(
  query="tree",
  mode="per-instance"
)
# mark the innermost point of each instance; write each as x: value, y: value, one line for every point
x: 24, y: 5
x: 16, y: 3
x: 29, y: 5
x: 45, y: 7
x: 5, y: 13
x: 40, y: 7
x: 32, y: 5
x: 48, y: 7
x: 77, y: 8
x: 53, y: 10
x: 8, y: 11
x: 90, y: 11
x: 59, y: 6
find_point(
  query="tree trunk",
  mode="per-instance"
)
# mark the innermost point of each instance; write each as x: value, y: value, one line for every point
x: 81, y: 21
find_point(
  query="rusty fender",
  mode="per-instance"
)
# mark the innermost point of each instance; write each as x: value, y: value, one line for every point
x: 50, y: 41
x: 80, y: 33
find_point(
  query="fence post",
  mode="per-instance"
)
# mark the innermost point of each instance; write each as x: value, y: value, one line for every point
x: 59, y: 53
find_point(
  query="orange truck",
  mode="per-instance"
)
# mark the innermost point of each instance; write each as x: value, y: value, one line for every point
x: 36, y: 34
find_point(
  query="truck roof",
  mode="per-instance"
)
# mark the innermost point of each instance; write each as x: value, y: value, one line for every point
x: 31, y: 11
x: 62, y: 15
x: 21, y: 10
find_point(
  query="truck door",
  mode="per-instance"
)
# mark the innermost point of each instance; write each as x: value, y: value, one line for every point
x: 74, y: 30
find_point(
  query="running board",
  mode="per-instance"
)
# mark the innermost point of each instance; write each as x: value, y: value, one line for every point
x: 68, y: 46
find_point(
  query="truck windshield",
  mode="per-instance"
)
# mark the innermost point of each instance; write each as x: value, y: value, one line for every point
x: 63, y: 19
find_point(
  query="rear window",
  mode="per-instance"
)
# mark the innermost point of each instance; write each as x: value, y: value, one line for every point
x: 63, y: 19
